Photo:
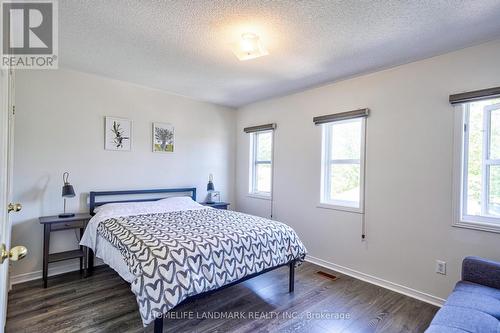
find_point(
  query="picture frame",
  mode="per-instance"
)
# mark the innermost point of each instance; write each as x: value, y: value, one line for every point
x: 213, y: 197
x: 117, y: 134
x: 163, y: 138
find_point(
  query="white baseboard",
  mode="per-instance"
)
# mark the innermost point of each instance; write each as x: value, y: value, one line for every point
x: 379, y: 282
x: 53, y: 270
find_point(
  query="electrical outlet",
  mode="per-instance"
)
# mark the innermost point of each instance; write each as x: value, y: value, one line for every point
x: 441, y: 267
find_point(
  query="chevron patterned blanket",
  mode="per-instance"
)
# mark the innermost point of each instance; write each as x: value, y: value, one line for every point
x: 179, y: 254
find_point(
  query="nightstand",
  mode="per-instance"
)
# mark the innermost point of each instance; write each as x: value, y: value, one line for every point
x: 218, y: 205
x: 55, y: 223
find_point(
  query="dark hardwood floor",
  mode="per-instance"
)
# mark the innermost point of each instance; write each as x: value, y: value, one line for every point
x: 104, y: 303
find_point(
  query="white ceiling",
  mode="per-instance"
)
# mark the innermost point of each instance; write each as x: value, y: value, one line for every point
x: 184, y: 46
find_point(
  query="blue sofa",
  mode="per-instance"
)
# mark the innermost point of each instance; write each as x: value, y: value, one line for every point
x: 474, y: 304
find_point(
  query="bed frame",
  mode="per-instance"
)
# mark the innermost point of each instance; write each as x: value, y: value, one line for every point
x: 190, y: 191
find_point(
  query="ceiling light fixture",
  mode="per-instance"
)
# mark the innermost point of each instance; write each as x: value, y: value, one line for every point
x: 249, y: 47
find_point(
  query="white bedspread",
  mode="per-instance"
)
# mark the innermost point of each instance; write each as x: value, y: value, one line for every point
x: 108, y: 253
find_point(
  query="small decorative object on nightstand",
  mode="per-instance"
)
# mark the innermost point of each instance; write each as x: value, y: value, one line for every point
x: 213, y: 197
x: 218, y: 205
x: 67, y: 192
x: 56, y: 223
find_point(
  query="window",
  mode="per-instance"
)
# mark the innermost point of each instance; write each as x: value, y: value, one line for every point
x: 342, y: 171
x: 479, y: 176
x: 261, y: 147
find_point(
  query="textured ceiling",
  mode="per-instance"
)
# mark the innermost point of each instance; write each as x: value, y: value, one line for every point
x: 184, y: 46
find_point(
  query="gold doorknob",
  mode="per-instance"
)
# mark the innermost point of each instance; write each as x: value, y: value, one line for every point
x: 15, y: 254
x: 14, y: 207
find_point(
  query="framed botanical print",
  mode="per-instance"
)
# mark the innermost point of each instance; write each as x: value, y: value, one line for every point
x: 118, y: 134
x: 163, y: 138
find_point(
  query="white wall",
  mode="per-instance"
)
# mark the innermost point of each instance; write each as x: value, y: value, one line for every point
x: 60, y: 127
x: 408, y: 170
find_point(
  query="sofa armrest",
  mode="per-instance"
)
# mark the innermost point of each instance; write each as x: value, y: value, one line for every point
x: 481, y: 271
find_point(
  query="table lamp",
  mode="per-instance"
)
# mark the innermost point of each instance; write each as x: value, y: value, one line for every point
x: 67, y: 192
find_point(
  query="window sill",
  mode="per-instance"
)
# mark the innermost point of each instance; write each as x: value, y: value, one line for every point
x: 340, y: 208
x: 259, y: 196
x: 481, y: 226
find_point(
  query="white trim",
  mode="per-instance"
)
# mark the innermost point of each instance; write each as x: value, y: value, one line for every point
x: 250, y: 164
x: 484, y: 168
x: 413, y: 293
x: 459, y: 188
x: 488, y: 161
x: 5, y: 230
x: 344, y: 208
x: 70, y: 267
x: 478, y: 226
x: 260, y: 196
x: 252, y: 181
x: 53, y: 270
x: 463, y: 162
x: 272, y: 176
x: 457, y: 168
x: 348, y: 206
x: 487, y: 220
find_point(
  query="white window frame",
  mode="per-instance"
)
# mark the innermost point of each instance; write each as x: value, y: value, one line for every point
x: 252, y: 186
x: 326, y: 162
x: 460, y: 167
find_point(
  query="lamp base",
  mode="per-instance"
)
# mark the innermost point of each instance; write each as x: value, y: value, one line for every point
x: 63, y: 215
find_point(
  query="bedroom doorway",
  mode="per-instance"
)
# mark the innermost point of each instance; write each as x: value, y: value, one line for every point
x: 7, y: 111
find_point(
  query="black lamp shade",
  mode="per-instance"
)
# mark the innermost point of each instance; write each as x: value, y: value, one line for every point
x: 68, y: 191
x: 210, y: 186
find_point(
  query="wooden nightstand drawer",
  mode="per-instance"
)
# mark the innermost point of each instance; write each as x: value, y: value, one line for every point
x: 68, y: 225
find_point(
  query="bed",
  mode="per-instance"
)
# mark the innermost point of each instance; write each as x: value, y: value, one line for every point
x: 171, y: 249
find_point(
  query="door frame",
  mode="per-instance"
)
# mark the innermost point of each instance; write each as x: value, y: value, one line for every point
x: 6, y: 173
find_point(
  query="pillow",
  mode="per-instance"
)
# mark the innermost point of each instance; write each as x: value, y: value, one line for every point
x: 144, y: 207
x: 179, y: 203
x: 178, y: 200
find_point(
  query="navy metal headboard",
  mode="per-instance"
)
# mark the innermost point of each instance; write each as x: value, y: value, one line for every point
x: 94, y: 195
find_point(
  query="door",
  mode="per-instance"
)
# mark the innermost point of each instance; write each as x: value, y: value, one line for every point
x: 6, y: 207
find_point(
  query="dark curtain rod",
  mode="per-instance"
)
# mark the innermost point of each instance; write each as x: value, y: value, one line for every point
x: 476, y: 95
x: 341, y: 116
x: 259, y: 128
